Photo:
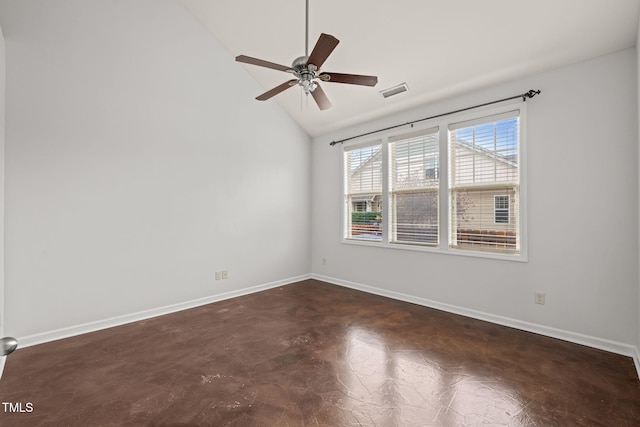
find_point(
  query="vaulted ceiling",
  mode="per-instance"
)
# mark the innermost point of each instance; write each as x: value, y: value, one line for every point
x: 439, y: 48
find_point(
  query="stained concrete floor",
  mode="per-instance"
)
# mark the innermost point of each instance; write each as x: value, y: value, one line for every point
x: 315, y: 354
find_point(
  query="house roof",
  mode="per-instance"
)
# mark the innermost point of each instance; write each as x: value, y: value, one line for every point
x: 461, y: 142
x: 508, y: 160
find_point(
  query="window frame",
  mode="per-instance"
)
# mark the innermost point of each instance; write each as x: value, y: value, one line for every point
x: 347, y: 202
x: 395, y: 192
x: 444, y: 213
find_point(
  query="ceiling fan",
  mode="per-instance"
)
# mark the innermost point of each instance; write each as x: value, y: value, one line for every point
x: 306, y: 70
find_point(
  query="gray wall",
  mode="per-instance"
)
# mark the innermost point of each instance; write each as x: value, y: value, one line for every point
x: 137, y: 165
x: 2, y: 131
x: 637, y: 357
x: 582, y: 215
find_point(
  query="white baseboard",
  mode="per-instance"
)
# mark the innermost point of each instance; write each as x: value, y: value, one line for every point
x: 599, y: 343
x: 57, y: 334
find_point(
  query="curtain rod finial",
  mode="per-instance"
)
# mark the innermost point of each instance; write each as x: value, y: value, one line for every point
x: 530, y: 94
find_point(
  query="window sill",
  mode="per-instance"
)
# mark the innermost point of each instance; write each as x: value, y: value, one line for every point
x: 437, y: 250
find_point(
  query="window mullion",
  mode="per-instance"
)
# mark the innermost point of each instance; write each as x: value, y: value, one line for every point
x: 386, y: 203
x: 443, y: 202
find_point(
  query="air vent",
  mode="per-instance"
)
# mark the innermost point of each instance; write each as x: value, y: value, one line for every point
x: 395, y: 90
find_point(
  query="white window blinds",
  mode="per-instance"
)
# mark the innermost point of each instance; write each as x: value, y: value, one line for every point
x: 414, y: 183
x: 484, y: 184
x: 363, y: 192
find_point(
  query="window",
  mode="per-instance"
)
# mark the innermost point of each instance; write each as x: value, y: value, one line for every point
x: 453, y: 186
x: 359, y: 206
x: 501, y: 209
x: 484, y: 183
x: 363, y: 192
x: 414, y: 188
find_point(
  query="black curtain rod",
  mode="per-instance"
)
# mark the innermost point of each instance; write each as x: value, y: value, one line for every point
x: 524, y: 97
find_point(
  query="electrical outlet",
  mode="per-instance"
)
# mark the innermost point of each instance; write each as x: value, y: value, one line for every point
x: 539, y: 298
x: 218, y: 275
x: 225, y: 274
x: 324, y: 261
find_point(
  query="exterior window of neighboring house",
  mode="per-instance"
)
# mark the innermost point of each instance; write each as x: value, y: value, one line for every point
x: 414, y: 187
x: 363, y: 192
x: 484, y: 184
x: 359, y: 206
x: 455, y: 185
x: 501, y: 209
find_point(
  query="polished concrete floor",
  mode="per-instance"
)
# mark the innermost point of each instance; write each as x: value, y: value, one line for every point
x: 314, y: 354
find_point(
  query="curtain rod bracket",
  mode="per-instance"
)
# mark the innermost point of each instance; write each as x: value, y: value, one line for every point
x: 530, y: 94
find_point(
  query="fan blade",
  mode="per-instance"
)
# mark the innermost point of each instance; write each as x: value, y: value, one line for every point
x: 352, y: 79
x: 323, y: 48
x: 321, y: 98
x: 261, y: 63
x: 276, y: 90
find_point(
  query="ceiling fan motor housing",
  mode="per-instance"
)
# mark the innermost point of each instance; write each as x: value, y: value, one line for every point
x: 305, y: 73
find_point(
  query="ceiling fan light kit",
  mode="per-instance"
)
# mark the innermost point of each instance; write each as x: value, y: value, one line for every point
x: 306, y: 70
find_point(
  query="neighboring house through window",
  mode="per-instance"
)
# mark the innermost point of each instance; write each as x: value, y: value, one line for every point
x: 414, y: 187
x: 396, y: 196
x: 363, y: 192
x: 484, y: 176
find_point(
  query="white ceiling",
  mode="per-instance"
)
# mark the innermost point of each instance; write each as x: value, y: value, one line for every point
x: 440, y: 48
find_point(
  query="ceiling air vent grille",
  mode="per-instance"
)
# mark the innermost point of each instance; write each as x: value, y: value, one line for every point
x: 395, y: 90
